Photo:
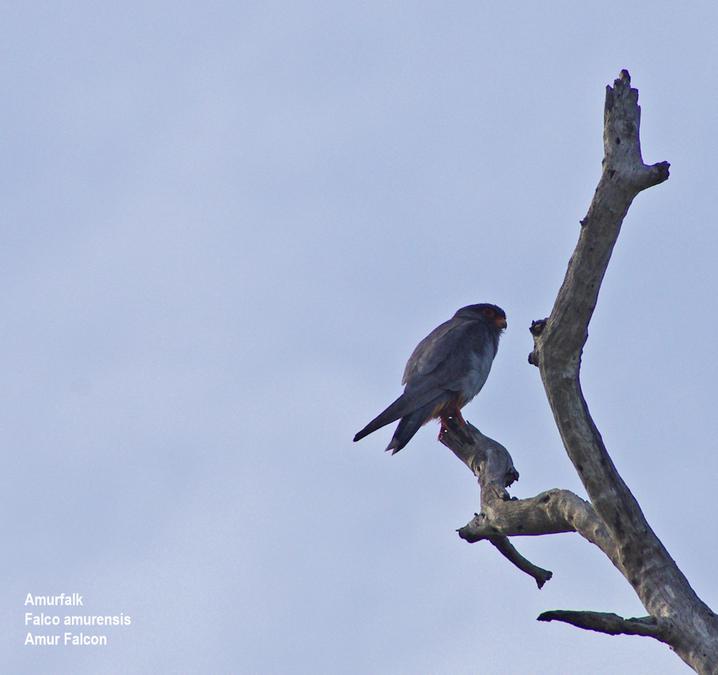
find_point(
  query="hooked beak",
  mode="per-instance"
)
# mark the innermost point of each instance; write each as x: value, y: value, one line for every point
x: 500, y: 322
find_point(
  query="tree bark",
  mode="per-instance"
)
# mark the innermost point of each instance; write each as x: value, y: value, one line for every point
x: 612, y: 519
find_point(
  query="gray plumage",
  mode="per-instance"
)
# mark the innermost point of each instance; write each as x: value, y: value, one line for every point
x: 445, y: 371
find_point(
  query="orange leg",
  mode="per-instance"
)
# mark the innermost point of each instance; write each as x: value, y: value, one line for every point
x: 451, y: 410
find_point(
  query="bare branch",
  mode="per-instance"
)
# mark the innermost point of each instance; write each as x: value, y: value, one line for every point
x: 691, y: 628
x: 612, y: 520
x: 506, y: 548
x: 550, y: 512
x: 486, y: 458
x: 603, y: 622
x: 491, y: 463
x: 560, y: 340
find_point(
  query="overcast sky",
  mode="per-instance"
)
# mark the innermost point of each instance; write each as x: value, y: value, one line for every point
x: 225, y: 226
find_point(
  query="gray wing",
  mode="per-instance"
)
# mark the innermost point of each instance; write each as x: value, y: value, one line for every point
x: 456, y: 356
x: 433, y: 349
x: 446, y: 353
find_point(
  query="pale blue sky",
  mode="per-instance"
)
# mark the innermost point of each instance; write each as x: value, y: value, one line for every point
x: 224, y: 228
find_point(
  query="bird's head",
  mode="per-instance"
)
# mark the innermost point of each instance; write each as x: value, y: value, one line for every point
x: 493, y: 315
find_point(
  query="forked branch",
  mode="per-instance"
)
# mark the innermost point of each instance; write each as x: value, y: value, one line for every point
x: 612, y: 520
x: 551, y: 512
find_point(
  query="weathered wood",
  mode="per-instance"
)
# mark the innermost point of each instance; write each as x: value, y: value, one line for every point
x: 612, y: 520
x: 550, y: 512
x: 603, y: 622
x: 684, y: 621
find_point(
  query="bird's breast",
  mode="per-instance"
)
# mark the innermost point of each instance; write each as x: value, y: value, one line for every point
x: 477, y: 372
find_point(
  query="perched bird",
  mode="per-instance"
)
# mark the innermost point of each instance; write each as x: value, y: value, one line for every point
x: 446, y: 370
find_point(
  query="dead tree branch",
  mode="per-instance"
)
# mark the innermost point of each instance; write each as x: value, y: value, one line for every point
x: 684, y: 621
x: 603, y: 622
x: 612, y: 520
